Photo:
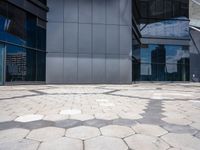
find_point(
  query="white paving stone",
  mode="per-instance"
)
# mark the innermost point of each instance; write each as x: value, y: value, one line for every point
x: 149, y: 129
x: 102, y: 100
x: 145, y: 142
x: 106, y: 116
x: 12, y: 134
x: 195, y: 125
x: 45, y: 134
x: 70, y: 112
x: 178, y: 121
x: 29, y: 118
x: 182, y: 141
x: 130, y: 116
x: 55, y: 117
x: 63, y: 143
x: 116, y: 131
x: 82, y: 132
x: 6, y: 118
x: 82, y: 117
x: 23, y: 144
x: 107, y: 104
x: 105, y: 143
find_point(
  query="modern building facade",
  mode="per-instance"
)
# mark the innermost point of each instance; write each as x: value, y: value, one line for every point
x: 96, y: 41
x: 22, y: 40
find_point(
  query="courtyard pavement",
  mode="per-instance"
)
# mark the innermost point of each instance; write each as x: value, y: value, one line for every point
x: 144, y: 116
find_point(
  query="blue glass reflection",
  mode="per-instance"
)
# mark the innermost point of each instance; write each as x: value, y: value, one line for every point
x: 177, y: 28
x: 163, y: 63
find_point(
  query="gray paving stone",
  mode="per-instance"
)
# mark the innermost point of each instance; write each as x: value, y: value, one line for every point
x: 12, y: 134
x: 105, y: 143
x: 146, y: 142
x: 182, y: 141
x: 97, y: 123
x: 29, y: 118
x: 179, y: 129
x: 68, y: 123
x: 45, y: 134
x: 124, y: 122
x: 116, y: 131
x: 82, y: 132
x: 23, y: 144
x: 63, y: 143
x: 146, y: 129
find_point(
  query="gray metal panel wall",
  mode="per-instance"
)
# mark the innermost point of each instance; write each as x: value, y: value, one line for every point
x: 89, y: 41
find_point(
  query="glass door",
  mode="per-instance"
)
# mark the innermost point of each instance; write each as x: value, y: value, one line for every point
x: 2, y: 47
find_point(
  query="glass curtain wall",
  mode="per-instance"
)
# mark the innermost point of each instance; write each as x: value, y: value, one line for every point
x: 25, y: 44
x: 162, y: 63
x: 164, y: 18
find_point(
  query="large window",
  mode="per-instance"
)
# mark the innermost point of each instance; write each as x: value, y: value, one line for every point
x: 25, y: 53
x: 24, y: 64
x: 162, y: 63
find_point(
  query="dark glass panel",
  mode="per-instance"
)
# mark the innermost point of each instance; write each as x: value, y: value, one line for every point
x: 41, y: 66
x: 145, y: 72
x: 30, y: 65
x: 16, y: 25
x: 41, y: 38
x: 31, y: 30
x: 43, y: 2
x: 3, y: 21
x: 16, y: 63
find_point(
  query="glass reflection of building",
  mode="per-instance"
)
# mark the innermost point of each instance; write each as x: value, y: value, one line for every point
x: 158, y: 60
x: 164, y: 50
x: 24, y: 36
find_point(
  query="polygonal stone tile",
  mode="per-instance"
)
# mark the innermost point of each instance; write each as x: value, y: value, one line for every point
x: 124, y: 122
x: 130, y: 116
x: 145, y: 142
x: 116, y: 131
x: 178, y: 121
x: 23, y: 144
x: 149, y: 129
x: 63, y: 143
x: 102, y: 100
x: 82, y: 132
x: 70, y: 112
x: 105, y: 143
x: 107, y: 104
x: 182, y: 141
x: 68, y: 123
x: 55, y: 117
x: 29, y: 118
x: 196, y: 125
x: 106, y: 116
x: 82, y: 117
x: 5, y: 118
x: 96, y: 123
x: 13, y: 134
x: 47, y: 133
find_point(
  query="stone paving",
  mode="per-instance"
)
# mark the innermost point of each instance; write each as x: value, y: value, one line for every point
x: 143, y: 116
